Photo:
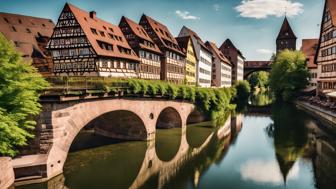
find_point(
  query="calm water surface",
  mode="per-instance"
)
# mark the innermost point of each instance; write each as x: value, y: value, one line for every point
x: 277, y: 147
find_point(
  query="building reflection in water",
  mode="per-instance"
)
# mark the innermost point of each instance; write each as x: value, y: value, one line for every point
x: 88, y: 168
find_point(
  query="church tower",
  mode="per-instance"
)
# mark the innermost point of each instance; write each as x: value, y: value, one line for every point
x: 286, y: 38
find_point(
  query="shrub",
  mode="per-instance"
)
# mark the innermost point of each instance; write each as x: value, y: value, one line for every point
x: 243, y: 91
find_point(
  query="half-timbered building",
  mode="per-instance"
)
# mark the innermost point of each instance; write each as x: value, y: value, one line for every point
x: 326, y: 51
x: 30, y: 36
x: 148, y: 52
x: 83, y: 44
x: 309, y: 47
x: 221, y: 67
x: 188, y: 49
x: 172, y: 59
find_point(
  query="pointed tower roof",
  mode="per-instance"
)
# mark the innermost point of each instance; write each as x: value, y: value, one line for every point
x: 286, y: 31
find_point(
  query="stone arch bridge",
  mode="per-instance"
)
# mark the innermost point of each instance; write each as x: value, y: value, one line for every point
x: 256, y: 66
x: 123, y: 118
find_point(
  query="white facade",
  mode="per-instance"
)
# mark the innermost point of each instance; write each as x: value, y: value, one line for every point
x: 203, y: 74
x: 239, y: 69
x: 313, y: 79
x: 225, y: 75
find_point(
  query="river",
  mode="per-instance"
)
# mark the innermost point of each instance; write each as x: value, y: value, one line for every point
x: 265, y: 148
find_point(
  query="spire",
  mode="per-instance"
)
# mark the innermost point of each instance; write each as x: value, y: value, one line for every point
x: 286, y: 31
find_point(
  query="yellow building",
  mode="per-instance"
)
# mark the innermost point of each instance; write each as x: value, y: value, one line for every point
x: 187, y: 48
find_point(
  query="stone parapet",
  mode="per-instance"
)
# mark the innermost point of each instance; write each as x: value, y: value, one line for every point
x: 7, y: 173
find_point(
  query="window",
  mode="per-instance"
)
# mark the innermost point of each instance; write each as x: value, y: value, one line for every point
x: 28, y: 30
x: 6, y: 20
x: 13, y: 29
x: 111, y: 30
x: 94, y: 31
x: 43, y: 25
x: 102, y: 33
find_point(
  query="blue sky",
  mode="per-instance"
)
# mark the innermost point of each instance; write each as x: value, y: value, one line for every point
x: 252, y: 25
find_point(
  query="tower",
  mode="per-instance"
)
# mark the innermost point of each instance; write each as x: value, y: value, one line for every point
x: 286, y: 38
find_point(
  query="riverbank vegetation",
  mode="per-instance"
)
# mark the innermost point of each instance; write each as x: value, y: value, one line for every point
x: 259, y: 81
x: 289, y: 75
x: 20, y: 84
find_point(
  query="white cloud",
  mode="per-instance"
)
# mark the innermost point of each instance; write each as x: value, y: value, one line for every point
x: 185, y: 15
x: 263, y: 8
x: 261, y: 171
x: 264, y: 51
x: 216, y: 7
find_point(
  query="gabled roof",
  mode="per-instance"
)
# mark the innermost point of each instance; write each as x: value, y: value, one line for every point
x: 286, y: 31
x: 217, y: 52
x: 183, y: 43
x: 163, y: 34
x: 309, y: 48
x: 86, y: 23
x: 228, y: 44
x: 191, y: 33
x: 30, y: 35
x: 332, y: 9
x: 25, y: 31
x: 140, y: 32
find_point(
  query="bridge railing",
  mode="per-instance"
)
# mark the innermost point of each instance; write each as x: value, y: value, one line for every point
x: 79, y: 84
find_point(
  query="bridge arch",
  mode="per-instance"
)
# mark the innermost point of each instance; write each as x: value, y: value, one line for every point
x: 169, y: 118
x: 62, y: 121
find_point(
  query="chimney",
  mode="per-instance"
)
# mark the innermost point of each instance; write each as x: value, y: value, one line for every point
x: 93, y: 14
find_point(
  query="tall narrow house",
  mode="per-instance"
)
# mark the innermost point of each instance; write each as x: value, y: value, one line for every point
x: 309, y: 47
x: 30, y: 36
x: 286, y: 38
x: 148, y: 52
x: 203, y: 55
x: 83, y: 44
x: 221, y: 67
x: 172, y: 59
x: 236, y: 58
x: 326, y: 51
x: 188, y: 49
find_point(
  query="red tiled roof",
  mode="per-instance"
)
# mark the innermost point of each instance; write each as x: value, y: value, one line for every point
x: 332, y: 8
x: 217, y: 52
x: 101, y: 26
x: 183, y: 43
x: 163, y: 34
x: 309, y: 48
x: 30, y: 35
x: 228, y: 43
x: 141, y: 33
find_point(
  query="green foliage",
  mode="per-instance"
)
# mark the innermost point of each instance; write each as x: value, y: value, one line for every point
x: 289, y: 75
x: 20, y: 85
x: 243, y: 91
x: 259, y: 80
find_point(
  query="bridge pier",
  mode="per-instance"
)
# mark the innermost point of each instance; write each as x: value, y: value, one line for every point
x: 60, y: 122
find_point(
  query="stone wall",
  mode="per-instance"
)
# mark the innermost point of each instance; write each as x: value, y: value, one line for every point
x: 7, y: 173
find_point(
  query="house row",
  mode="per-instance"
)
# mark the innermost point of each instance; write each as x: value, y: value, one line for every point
x: 81, y: 44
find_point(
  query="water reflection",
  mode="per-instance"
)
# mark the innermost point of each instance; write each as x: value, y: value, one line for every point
x: 246, y: 151
x: 261, y: 98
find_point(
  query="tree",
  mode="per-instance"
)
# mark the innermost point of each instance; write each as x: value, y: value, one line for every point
x: 20, y: 84
x: 289, y: 75
x: 243, y: 91
x: 259, y: 79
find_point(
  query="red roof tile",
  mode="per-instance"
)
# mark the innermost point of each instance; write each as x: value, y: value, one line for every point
x: 105, y: 28
x: 286, y: 30
x: 163, y: 34
x: 217, y: 52
x: 332, y: 8
x: 309, y: 48
x: 139, y: 31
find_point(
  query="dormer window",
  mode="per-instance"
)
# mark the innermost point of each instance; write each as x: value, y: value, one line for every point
x: 20, y: 21
x: 6, y: 20
x: 102, y: 33
x: 28, y: 30
x: 94, y: 31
